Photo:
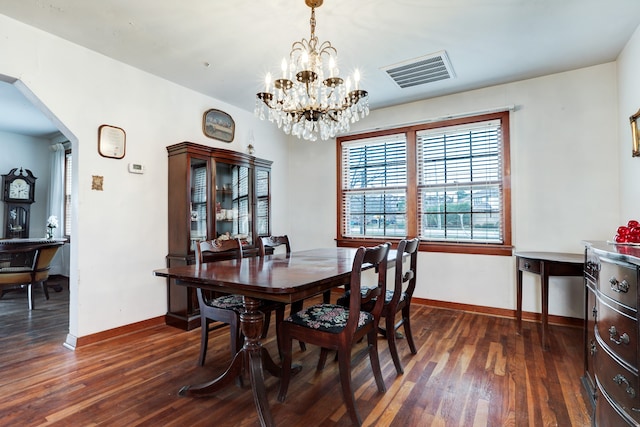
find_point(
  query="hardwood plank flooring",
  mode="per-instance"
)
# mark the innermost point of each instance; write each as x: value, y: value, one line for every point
x: 470, y: 370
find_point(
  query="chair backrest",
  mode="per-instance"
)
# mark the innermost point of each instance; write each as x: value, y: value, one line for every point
x: 218, y: 250
x: 374, y: 258
x: 273, y: 242
x: 402, y: 276
x: 42, y: 263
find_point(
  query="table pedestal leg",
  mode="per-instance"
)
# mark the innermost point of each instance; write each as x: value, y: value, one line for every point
x: 252, y: 357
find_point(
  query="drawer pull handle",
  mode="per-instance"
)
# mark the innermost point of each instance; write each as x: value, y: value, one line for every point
x: 594, y: 349
x: 613, y: 333
x: 595, y: 312
x: 527, y: 265
x: 616, y: 286
x: 619, y: 379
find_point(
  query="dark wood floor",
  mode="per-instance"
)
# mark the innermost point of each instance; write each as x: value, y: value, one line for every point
x: 470, y: 370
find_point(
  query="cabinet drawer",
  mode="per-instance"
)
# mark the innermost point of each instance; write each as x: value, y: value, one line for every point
x: 619, y: 282
x: 617, y: 381
x: 530, y: 265
x: 607, y: 415
x: 619, y: 331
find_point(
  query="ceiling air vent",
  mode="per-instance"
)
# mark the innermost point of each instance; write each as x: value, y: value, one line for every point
x: 418, y: 71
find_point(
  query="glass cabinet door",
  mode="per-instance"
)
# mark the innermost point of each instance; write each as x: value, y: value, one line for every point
x: 198, y: 206
x: 233, y: 207
x: 262, y: 202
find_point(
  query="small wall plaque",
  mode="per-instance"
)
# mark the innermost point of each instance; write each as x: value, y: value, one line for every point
x: 111, y: 141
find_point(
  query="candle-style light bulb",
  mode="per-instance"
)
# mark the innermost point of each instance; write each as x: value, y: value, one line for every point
x: 356, y: 78
x: 267, y: 82
x: 332, y: 65
x: 304, y: 59
x: 284, y: 68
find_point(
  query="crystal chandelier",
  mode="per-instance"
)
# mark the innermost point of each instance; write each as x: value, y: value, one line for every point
x: 310, y: 98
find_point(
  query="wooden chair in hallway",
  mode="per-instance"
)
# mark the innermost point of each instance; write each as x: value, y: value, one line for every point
x: 335, y: 327
x: 32, y: 271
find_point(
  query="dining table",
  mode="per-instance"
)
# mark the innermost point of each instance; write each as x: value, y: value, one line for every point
x: 279, y: 277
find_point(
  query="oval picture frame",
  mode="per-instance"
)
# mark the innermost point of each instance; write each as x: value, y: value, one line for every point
x: 218, y: 125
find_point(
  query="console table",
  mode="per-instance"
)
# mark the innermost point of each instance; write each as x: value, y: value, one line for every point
x: 545, y: 264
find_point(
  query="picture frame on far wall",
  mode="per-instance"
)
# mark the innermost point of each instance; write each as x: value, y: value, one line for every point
x: 218, y: 125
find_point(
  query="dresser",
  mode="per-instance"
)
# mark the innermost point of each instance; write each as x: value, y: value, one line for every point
x: 611, y: 333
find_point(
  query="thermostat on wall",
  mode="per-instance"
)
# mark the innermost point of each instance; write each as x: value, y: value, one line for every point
x: 136, y: 168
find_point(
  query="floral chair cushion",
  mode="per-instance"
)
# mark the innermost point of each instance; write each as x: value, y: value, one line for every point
x: 228, y: 302
x: 344, y: 299
x: 327, y: 317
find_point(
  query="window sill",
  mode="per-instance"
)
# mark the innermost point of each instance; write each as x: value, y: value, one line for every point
x: 458, y: 248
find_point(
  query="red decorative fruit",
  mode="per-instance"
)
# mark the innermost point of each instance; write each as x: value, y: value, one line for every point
x: 633, y: 223
x: 620, y: 239
x: 623, y: 231
x: 633, y: 238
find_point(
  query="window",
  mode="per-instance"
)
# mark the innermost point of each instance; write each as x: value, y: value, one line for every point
x: 374, y: 183
x: 446, y: 182
x: 67, y: 193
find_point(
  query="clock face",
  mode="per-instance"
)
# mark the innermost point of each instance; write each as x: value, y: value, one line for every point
x: 19, y: 189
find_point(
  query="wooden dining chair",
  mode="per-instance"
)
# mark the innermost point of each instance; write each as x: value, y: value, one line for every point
x: 397, y: 299
x: 335, y: 327
x: 275, y: 242
x: 225, y: 308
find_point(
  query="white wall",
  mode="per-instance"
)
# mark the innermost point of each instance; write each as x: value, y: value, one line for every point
x: 563, y: 137
x: 119, y: 235
x: 629, y: 103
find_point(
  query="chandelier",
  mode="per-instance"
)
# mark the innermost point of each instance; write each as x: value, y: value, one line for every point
x: 310, y: 99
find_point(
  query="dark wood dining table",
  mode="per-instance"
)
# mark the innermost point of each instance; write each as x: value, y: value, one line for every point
x: 283, y: 278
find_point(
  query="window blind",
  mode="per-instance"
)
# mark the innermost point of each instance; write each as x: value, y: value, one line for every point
x: 374, y: 181
x: 460, y: 183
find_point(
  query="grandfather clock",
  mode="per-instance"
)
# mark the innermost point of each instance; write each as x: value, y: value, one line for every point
x: 18, y: 195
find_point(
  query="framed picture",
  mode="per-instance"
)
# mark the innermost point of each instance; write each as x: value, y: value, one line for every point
x: 111, y: 141
x: 219, y: 125
x: 635, y: 134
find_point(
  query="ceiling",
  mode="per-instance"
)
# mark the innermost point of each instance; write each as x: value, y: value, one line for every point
x: 224, y: 48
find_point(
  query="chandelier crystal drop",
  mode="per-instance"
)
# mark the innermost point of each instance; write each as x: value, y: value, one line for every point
x: 310, y: 99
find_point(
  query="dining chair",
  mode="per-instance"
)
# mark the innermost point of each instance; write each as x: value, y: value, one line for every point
x: 397, y: 300
x: 334, y: 327
x: 275, y: 242
x: 224, y: 308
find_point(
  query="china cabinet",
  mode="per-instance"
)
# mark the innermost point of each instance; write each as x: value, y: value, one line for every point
x: 213, y: 194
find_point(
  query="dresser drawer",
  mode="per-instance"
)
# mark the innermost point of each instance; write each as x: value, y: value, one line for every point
x: 617, y: 381
x: 619, y: 282
x: 530, y: 265
x: 607, y: 415
x: 618, y: 330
